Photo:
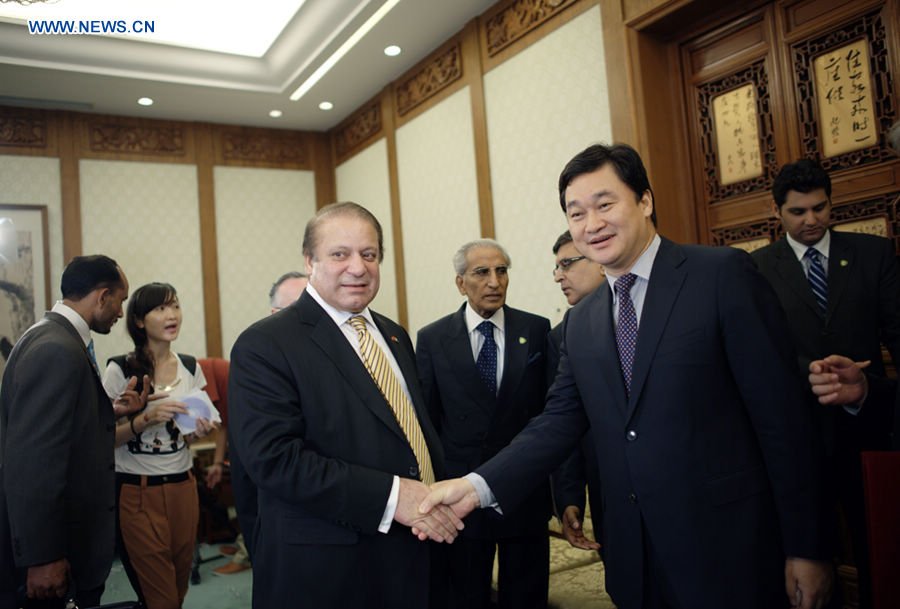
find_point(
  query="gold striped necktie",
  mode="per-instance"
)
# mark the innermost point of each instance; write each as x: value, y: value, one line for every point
x: 380, y: 370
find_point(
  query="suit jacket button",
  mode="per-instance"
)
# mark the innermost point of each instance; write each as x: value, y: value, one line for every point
x: 632, y: 498
x: 631, y: 435
x: 414, y: 471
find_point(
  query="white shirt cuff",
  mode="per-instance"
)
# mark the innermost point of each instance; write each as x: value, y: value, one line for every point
x: 391, y: 507
x: 485, y: 495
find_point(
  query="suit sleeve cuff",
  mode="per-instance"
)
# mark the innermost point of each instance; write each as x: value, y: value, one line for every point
x: 388, y: 517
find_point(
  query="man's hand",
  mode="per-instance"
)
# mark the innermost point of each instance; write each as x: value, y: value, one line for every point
x: 439, y: 524
x: 458, y: 494
x: 838, y: 380
x: 48, y: 581
x: 130, y: 401
x: 808, y: 582
x: 214, y: 475
x: 571, y: 522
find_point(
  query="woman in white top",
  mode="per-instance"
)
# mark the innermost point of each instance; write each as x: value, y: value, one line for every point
x: 157, y: 494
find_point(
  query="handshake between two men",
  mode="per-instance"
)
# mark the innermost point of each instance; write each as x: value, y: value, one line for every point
x: 435, y: 512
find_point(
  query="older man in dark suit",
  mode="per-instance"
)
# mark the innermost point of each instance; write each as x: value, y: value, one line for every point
x: 483, y: 375
x: 328, y: 418
x: 841, y: 294
x: 684, y: 373
x: 57, y: 430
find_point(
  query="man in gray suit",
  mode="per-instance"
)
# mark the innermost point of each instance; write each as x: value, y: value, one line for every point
x: 57, y: 429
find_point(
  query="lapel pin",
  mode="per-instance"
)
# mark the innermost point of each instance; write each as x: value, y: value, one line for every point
x: 844, y: 263
x: 522, y: 340
x: 394, y: 338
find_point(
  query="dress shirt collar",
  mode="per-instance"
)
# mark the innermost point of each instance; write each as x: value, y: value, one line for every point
x: 74, y: 318
x: 339, y: 317
x: 473, y: 319
x: 642, y: 267
x: 823, y: 245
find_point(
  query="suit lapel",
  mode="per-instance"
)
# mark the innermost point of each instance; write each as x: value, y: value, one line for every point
x: 840, y: 265
x: 458, y: 347
x: 70, y: 329
x: 333, y: 344
x: 515, y: 353
x: 791, y: 272
x: 602, y: 330
x: 666, y: 280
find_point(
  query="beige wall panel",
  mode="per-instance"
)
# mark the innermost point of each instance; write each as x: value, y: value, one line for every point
x: 29, y: 180
x: 364, y: 179
x: 543, y: 106
x: 260, y: 217
x: 145, y: 216
x: 438, y: 204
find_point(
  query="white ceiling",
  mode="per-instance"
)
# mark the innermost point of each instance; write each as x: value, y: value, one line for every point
x: 92, y: 73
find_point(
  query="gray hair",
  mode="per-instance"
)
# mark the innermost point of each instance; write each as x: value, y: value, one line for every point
x: 282, y: 279
x: 893, y: 137
x: 459, y: 258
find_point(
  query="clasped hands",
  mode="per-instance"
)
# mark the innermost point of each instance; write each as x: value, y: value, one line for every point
x: 435, y: 512
x: 130, y: 401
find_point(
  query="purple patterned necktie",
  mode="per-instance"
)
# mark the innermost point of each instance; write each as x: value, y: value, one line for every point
x: 626, y: 328
x: 487, y: 357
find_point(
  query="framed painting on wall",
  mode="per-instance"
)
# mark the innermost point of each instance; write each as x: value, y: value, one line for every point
x: 24, y: 272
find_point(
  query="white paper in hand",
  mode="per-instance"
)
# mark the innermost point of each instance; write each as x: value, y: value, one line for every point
x: 199, y: 406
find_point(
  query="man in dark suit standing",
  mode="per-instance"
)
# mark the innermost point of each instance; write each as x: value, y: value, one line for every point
x: 684, y: 373
x: 328, y: 418
x: 577, y: 276
x: 483, y: 375
x: 57, y: 430
x: 841, y: 294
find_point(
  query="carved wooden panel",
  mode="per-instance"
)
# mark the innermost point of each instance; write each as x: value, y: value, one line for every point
x: 435, y: 75
x: 22, y: 130
x: 765, y: 229
x: 517, y: 19
x: 146, y: 138
x: 754, y: 74
x: 870, y: 27
x: 263, y: 146
x: 361, y: 127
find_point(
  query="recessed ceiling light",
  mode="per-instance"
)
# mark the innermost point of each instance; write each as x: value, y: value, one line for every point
x: 275, y: 113
x: 145, y: 101
x: 392, y: 51
x: 326, y: 105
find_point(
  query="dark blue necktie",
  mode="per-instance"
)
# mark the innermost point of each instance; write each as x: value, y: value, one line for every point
x: 487, y: 357
x: 818, y: 280
x: 626, y: 328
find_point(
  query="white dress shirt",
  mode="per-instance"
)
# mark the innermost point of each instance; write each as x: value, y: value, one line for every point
x: 476, y: 338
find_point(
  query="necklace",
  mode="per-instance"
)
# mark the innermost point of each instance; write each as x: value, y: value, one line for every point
x: 167, y: 388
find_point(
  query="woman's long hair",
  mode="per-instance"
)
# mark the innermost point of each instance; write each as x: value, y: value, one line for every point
x: 145, y: 299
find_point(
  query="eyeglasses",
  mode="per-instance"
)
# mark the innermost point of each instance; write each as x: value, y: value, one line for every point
x: 483, y: 272
x: 564, y: 264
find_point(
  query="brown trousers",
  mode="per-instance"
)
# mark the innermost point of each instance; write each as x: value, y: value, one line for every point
x: 159, y: 530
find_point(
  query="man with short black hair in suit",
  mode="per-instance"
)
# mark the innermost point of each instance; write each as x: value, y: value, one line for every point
x: 483, y: 374
x: 57, y: 432
x: 683, y: 371
x: 330, y: 424
x: 577, y: 276
x: 841, y: 294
